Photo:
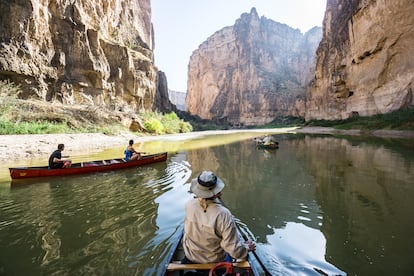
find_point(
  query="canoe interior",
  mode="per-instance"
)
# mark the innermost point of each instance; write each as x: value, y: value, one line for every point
x: 80, y: 164
x: 174, y: 267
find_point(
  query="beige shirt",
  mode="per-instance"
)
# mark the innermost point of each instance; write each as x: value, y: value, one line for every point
x: 209, y: 235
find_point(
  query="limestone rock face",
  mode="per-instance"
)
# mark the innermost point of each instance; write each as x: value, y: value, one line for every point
x: 162, y: 101
x: 252, y: 72
x: 365, y: 61
x: 178, y: 98
x: 85, y: 51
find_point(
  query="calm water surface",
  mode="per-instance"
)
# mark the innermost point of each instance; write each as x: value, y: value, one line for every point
x: 318, y: 205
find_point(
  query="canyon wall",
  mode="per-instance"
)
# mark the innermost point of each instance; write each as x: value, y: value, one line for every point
x: 365, y: 61
x: 252, y: 72
x: 97, y: 52
x: 162, y: 101
x: 178, y: 98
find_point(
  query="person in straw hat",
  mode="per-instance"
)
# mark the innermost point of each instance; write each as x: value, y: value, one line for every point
x: 210, y: 233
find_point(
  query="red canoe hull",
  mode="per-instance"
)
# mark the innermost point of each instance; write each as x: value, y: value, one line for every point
x: 85, y: 167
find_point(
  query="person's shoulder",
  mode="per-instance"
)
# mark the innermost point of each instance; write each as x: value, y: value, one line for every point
x: 224, y: 214
x: 223, y: 209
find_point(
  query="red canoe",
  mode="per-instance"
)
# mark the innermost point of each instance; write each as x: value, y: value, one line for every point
x: 86, y: 167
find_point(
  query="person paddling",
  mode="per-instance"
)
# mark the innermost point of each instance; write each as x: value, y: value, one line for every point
x: 131, y: 153
x: 56, y: 161
x: 210, y: 232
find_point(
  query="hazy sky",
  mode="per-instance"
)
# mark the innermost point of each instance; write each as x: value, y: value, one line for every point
x: 180, y: 26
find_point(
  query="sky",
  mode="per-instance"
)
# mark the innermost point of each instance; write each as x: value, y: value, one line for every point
x: 181, y: 26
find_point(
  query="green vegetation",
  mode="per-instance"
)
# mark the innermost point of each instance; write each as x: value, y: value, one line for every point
x: 7, y: 127
x: 402, y: 119
x: 38, y: 117
x: 164, y: 124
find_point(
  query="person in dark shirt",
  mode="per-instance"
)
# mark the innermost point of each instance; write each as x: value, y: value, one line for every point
x: 56, y: 161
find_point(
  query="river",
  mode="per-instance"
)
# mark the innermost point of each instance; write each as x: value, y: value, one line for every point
x: 318, y: 205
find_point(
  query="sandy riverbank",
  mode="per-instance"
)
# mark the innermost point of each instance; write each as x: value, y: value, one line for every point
x: 15, y: 147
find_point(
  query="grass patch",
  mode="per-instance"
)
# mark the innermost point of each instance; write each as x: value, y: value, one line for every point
x: 7, y: 127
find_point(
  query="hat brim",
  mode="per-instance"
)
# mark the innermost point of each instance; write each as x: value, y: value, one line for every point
x: 201, y: 192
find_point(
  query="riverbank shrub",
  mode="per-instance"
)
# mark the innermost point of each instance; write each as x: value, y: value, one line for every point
x: 168, y: 123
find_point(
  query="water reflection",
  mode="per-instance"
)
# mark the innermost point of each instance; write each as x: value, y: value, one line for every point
x: 348, y: 190
x: 83, y: 225
x: 307, y: 245
x: 364, y: 190
x: 317, y: 205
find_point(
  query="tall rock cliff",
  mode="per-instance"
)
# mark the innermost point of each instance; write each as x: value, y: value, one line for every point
x: 365, y: 61
x: 178, y: 98
x: 162, y: 101
x: 252, y: 72
x: 80, y: 51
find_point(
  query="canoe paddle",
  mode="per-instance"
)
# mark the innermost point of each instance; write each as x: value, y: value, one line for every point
x: 267, y: 273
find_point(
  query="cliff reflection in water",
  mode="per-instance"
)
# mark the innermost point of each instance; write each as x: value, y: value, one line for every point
x: 365, y: 191
x: 357, y: 193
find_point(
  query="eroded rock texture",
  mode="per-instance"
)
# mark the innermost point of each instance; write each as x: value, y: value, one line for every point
x: 161, y: 100
x: 96, y: 52
x: 252, y: 72
x: 365, y: 62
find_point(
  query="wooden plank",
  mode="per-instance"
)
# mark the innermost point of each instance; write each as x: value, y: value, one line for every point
x: 178, y: 266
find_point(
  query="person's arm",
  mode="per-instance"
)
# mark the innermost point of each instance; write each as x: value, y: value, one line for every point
x: 231, y: 242
x: 57, y: 160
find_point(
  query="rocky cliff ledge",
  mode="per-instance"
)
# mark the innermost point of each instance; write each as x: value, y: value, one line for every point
x: 83, y: 51
x: 365, y: 61
x: 252, y: 72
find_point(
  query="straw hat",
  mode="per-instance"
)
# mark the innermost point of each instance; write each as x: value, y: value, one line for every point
x: 206, y: 185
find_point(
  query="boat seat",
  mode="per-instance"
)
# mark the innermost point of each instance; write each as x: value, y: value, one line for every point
x: 174, y: 266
